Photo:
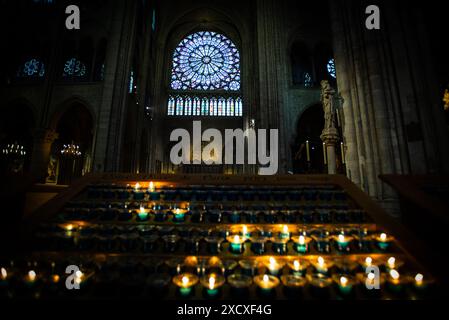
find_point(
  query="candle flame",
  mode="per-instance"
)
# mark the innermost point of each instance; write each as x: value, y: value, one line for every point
x: 185, y: 280
x: 272, y: 262
x: 394, y: 274
x: 142, y: 209
x: 368, y: 261
x: 341, y: 238
x: 391, y: 262
x: 55, y: 278
x: 383, y: 237
x: 32, y: 275
x: 137, y: 186
x: 419, y: 278
x: 4, y: 273
x: 151, y: 186
x: 69, y: 227
x: 302, y: 240
x: 79, y: 274
x: 245, y: 230
x: 296, y: 265
x: 344, y: 281
x: 285, y: 229
x: 211, y: 282
x: 320, y: 261
x: 371, y: 276
x: 236, y: 239
x: 265, y: 278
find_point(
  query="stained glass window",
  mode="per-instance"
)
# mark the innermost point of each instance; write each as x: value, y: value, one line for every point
x: 171, y: 106
x: 331, y: 68
x: 74, y: 68
x: 206, y: 61
x: 31, y: 68
x: 205, y: 106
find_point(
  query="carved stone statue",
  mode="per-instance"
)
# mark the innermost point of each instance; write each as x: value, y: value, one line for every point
x: 327, y: 98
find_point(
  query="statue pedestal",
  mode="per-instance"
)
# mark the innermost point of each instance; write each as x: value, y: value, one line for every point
x: 330, y: 137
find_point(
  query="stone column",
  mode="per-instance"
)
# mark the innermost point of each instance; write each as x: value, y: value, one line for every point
x: 271, y: 62
x: 331, y: 138
x: 43, y: 140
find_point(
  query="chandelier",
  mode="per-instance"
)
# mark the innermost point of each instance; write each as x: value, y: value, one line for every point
x: 14, y: 149
x: 71, y: 150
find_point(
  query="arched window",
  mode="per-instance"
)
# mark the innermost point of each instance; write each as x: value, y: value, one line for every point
x: 33, y: 68
x: 331, y: 68
x: 206, y: 71
x: 74, y: 68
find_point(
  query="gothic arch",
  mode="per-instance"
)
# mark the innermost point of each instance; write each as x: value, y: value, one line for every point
x: 62, y: 107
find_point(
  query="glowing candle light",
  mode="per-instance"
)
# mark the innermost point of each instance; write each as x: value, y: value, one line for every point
x: 31, y: 277
x: 245, y: 231
x: 151, y: 187
x: 185, y: 282
x: 266, y: 279
x: 343, y: 242
x: 391, y: 262
x: 285, y: 232
x: 296, y: 265
x: 301, y: 243
x: 142, y: 214
x: 179, y: 215
x: 273, y: 266
x: 419, y: 278
x: 236, y: 243
x: 384, y: 241
x: 211, y: 282
x: 298, y: 268
x: 4, y: 274
x: 345, y: 284
x: 266, y: 283
x: 368, y: 261
x: 137, y: 187
x: 321, y: 266
x: 55, y: 278
x: 394, y: 275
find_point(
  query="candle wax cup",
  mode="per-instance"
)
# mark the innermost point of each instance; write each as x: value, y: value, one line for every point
x: 185, y: 291
x: 212, y: 292
x: 178, y: 217
x: 236, y: 247
x: 301, y: 248
x: 266, y: 283
x: 143, y: 215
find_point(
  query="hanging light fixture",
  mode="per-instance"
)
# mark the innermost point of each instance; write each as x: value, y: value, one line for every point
x: 14, y: 149
x: 71, y: 150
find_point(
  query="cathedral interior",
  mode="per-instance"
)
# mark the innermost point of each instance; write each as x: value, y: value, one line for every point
x: 357, y: 208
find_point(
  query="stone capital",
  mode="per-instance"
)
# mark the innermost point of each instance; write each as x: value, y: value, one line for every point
x: 330, y: 136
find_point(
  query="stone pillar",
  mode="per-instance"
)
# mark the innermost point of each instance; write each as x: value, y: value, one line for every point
x: 271, y: 84
x: 331, y: 138
x: 43, y: 140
